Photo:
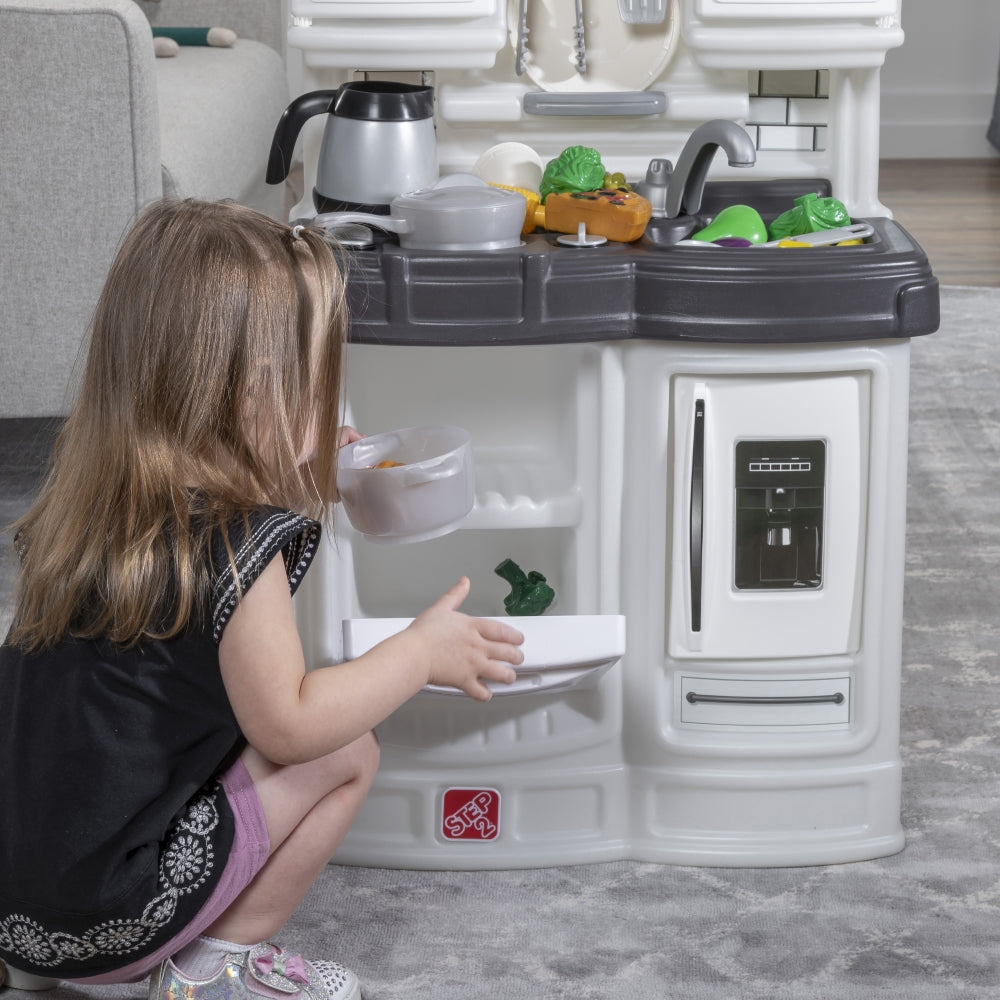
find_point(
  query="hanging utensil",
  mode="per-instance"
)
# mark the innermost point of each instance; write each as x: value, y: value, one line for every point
x: 642, y: 11
x: 579, y: 42
x: 521, y: 52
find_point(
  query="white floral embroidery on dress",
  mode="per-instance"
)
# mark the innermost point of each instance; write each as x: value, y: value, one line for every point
x: 277, y: 530
x: 185, y: 865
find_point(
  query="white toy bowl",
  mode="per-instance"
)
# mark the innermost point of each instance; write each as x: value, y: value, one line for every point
x: 429, y: 493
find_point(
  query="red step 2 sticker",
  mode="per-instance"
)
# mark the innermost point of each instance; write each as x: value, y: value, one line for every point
x: 470, y: 814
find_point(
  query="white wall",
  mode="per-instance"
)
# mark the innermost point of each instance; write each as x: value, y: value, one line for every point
x: 938, y: 88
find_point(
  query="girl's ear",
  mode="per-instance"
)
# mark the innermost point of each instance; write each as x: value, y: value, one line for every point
x: 253, y: 405
x: 258, y: 386
x: 259, y: 378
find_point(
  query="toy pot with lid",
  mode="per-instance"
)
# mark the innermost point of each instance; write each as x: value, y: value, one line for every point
x: 451, y: 216
x: 378, y: 142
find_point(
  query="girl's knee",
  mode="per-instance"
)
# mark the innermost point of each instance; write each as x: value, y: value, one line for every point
x: 368, y: 754
x: 355, y: 763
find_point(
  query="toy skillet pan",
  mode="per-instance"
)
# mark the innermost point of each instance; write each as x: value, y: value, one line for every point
x: 826, y: 237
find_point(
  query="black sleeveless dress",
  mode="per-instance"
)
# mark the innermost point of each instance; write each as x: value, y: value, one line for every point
x: 115, y: 830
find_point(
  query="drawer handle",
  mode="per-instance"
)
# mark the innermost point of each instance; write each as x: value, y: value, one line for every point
x: 694, y: 698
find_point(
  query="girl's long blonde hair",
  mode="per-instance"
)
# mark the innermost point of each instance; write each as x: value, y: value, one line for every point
x: 216, y: 353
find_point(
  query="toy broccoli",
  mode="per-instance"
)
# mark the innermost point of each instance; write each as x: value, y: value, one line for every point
x: 578, y: 168
x: 529, y: 594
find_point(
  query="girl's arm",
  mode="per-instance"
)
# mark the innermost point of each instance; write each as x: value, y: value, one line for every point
x: 291, y: 716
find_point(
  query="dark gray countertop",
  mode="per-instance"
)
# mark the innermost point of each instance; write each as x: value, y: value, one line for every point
x: 542, y: 292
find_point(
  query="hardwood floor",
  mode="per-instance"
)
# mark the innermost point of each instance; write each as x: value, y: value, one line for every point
x: 952, y: 209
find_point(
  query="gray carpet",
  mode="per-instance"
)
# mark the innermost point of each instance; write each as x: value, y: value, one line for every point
x: 921, y: 925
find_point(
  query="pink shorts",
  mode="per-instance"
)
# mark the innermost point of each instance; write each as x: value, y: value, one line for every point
x: 250, y: 851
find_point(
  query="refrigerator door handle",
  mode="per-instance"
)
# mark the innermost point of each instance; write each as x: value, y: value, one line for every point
x: 696, y: 518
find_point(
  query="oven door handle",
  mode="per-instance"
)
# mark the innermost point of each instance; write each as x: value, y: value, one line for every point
x: 697, y: 512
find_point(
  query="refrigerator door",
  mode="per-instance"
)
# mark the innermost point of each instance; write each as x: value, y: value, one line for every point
x: 769, y: 500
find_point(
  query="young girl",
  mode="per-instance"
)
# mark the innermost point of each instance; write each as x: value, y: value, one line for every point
x: 173, y: 779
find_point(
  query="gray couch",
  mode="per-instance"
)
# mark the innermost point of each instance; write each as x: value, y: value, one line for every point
x: 92, y: 128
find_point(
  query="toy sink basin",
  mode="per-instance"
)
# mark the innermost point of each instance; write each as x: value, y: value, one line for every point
x: 560, y: 651
x: 769, y: 197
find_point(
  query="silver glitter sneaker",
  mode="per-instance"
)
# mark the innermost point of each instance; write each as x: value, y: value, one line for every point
x: 264, y: 971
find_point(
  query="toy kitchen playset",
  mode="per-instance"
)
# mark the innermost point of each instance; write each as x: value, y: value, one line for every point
x: 697, y: 442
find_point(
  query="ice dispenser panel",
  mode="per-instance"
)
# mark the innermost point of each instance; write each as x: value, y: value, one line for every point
x: 779, y: 514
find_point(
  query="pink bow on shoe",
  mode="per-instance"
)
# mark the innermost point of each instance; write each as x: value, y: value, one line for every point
x: 272, y: 963
x: 290, y: 967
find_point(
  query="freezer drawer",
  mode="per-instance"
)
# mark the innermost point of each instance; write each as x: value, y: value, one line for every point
x: 771, y: 704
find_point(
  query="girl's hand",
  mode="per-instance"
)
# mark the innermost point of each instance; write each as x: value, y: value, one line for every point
x: 290, y: 715
x: 465, y: 652
x: 348, y: 435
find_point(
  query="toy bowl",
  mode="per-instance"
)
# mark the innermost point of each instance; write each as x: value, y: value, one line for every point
x: 408, y: 485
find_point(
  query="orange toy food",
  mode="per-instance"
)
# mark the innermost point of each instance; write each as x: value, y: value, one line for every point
x: 612, y: 213
x: 534, y: 207
x: 386, y: 464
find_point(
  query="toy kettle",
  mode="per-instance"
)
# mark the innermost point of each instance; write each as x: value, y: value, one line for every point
x: 379, y: 142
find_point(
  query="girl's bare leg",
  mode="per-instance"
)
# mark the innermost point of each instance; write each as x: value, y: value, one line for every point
x: 308, y: 809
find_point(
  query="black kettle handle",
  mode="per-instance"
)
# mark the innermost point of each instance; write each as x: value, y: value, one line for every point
x: 289, y: 125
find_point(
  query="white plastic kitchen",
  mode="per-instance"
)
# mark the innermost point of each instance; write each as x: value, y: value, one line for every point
x: 701, y: 449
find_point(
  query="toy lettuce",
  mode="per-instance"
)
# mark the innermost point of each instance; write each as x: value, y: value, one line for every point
x: 578, y: 168
x: 810, y: 215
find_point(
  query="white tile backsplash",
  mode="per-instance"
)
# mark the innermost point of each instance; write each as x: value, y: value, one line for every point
x: 768, y: 111
x: 792, y: 137
x: 789, y: 82
x: 789, y: 110
x: 808, y: 110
